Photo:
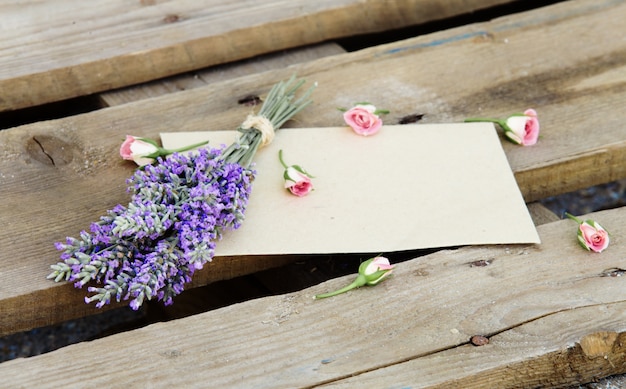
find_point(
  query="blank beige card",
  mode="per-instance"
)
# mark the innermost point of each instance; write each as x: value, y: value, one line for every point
x: 407, y: 187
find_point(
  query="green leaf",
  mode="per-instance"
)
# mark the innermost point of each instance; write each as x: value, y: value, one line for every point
x: 301, y: 170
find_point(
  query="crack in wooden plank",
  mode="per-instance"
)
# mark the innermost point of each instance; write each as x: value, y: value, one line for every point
x: 463, y: 344
x: 43, y: 150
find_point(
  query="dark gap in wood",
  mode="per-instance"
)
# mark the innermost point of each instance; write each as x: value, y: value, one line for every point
x: 50, y: 111
x: 49, y: 338
x: 359, y: 42
x: 613, y: 272
x: 414, y: 118
x: 250, y: 101
x: 593, y: 199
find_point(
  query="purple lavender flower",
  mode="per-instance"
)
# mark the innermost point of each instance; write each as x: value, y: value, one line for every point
x: 178, y: 210
x: 151, y: 248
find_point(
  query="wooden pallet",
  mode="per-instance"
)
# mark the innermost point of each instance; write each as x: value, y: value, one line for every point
x: 552, y: 313
x: 71, y: 48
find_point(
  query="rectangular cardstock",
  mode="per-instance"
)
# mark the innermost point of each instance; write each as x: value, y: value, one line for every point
x: 407, y: 187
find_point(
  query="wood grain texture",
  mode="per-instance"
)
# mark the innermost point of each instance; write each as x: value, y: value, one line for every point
x: 58, y: 176
x: 556, y: 350
x: 218, y: 73
x: 553, y: 313
x: 51, y: 52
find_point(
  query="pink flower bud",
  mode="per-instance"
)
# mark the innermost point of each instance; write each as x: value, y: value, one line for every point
x: 297, y: 180
x: 376, y: 269
x: 138, y: 150
x: 523, y: 129
x: 298, y: 183
x: 363, y: 119
x: 371, y: 272
x: 144, y: 151
x: 592, y: 236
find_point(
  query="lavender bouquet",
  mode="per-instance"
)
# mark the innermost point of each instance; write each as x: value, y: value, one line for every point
x: 179, y: 208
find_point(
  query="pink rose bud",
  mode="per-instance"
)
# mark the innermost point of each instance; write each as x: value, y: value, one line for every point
x: 140, y: 150
x: 591, y: 235
x: 371, y: 272
x: 297, y: 180
x: 376, y: 269
x: 144, y: 151
x: 523, y: 129
x: 363, y: 119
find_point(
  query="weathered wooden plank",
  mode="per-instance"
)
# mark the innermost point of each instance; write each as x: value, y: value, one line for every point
x: 552, y: 351
x: 218, y: 73
x: 542, y: 306
x: 51, y: 52
x: 58, y: 176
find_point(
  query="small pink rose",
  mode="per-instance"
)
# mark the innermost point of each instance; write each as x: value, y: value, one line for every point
x: 371, y: 272
x: 377, y: 269
x: 144, y: 151
x: 298, y: 183
x: 523, y: 129
x: 138, y: 149
x: 378, y: 263
x: 592, y: 236
x: 297, y: 180
x: 363, y: 119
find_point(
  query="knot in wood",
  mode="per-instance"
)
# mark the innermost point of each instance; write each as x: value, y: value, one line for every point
x: 598, y: 344
x: 49, y: 150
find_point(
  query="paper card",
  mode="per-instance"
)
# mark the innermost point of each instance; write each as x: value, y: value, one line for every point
x: 407, y: 187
